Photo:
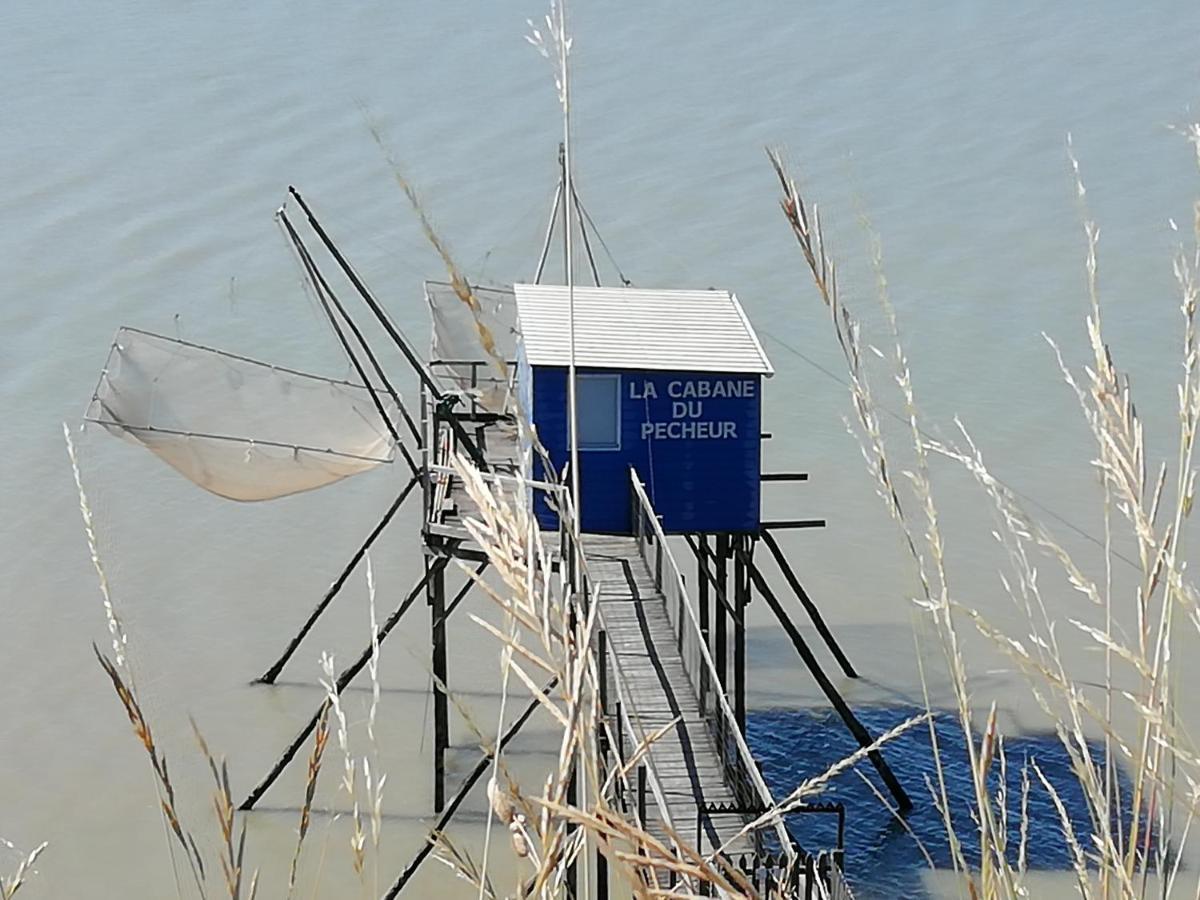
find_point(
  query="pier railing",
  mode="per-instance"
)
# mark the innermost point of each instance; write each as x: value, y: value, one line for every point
x: 642, y: 784
x: 741, y: 771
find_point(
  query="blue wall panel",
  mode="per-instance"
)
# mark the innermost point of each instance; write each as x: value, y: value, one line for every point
x: 692, y: 437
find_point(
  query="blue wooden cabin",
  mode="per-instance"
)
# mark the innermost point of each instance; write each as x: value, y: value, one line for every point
x: 669, y: 383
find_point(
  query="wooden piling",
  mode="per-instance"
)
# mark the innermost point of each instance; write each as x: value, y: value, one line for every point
x: 722, y: 576
x: 741, y: 590
x: 436, y: 594
x: 847, y: 715
x: 702, y: 576
x: 807, y: 603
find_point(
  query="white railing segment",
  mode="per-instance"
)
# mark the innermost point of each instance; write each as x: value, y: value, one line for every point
x: 698, y: 661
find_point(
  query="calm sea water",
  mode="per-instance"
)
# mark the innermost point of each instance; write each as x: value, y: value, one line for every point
x: 146, y: 147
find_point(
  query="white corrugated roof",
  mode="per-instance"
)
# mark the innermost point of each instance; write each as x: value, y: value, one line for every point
x: 632, y: 328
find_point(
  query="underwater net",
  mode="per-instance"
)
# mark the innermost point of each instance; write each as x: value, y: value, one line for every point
x: 242, y: 429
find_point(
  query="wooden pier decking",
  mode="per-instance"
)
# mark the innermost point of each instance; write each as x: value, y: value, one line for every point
x: 644, y: 649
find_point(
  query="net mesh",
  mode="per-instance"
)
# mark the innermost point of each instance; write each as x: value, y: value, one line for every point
x: 471, y: 342
x: 239, y: 428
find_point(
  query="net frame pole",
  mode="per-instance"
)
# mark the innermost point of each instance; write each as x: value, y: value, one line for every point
x: 272, y: 673
x: 340, y: 684
x: 481, y: 767
x: 397, y: 338
x: 310, y: 263
x: 324, y: 295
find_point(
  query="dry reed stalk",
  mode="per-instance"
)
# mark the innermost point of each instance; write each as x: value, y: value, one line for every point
x: 10, y: 884
x: 312, y: 773
x: 233, y: 851
x: 349, y: 780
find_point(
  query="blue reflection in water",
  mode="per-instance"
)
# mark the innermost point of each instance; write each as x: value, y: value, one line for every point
x: 882, y: 859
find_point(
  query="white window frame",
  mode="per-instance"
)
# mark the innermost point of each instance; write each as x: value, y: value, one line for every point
x: 605, y: 376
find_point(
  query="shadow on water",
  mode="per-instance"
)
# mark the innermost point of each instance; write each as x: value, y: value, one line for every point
x: 882, y: 859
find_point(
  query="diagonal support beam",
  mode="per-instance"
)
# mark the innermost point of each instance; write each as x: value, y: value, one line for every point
x: 807, y: 603
x: 856, y: 727
x: 340, y: 684
x: 457, y: 799
x: 273, y: 672
x: 398, y: 339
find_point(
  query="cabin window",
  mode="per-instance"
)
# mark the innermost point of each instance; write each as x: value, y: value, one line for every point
x: 599, y: 403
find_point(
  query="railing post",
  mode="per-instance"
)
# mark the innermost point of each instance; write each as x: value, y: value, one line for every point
x: 741, y: 596
x: 620, y: 711
x: 658, y: 559
x: 641, y: 795
x: 679, y: 627
x: 719, y: 657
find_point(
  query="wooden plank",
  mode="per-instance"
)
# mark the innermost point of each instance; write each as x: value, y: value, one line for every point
x: 642, y: 640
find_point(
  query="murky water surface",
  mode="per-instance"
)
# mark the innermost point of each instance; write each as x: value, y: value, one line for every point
x: 146, y: 147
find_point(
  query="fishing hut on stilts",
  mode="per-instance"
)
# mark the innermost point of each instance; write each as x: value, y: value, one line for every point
x: 669, y: 388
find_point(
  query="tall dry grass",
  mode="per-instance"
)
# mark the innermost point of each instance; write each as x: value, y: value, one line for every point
x: 1134, y: 849
x: 12, y: 882
x: 545, y: 633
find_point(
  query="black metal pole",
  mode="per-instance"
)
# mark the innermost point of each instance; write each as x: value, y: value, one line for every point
x: 397, y: 338
x: 741, y: 597
x: 807, y: 603
x: 723, y: 581
x: 856, y: 728
x: 323, y: 291
x: 340, y: 685
x: 277, y: 667
x: 436, y: 590
x: 452, y: 807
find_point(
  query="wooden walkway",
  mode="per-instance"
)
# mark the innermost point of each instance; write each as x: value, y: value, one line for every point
x: 644, y: 651
x: 643, y: 648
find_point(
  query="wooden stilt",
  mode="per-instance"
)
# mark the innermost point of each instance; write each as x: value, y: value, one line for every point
x: 456, y: 801
x: 436, y: 590
x: 719, y: 657
x: 702, y: 576
x: 856, y: 727
x: 340, y: 684
x: 277, y: 667
x: 807, y: 603
x: 741, y: 585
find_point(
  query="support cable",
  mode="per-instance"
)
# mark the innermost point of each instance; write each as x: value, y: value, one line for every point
x: 541, y: 266
x: 600, y: 238
x: 587, y: 245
